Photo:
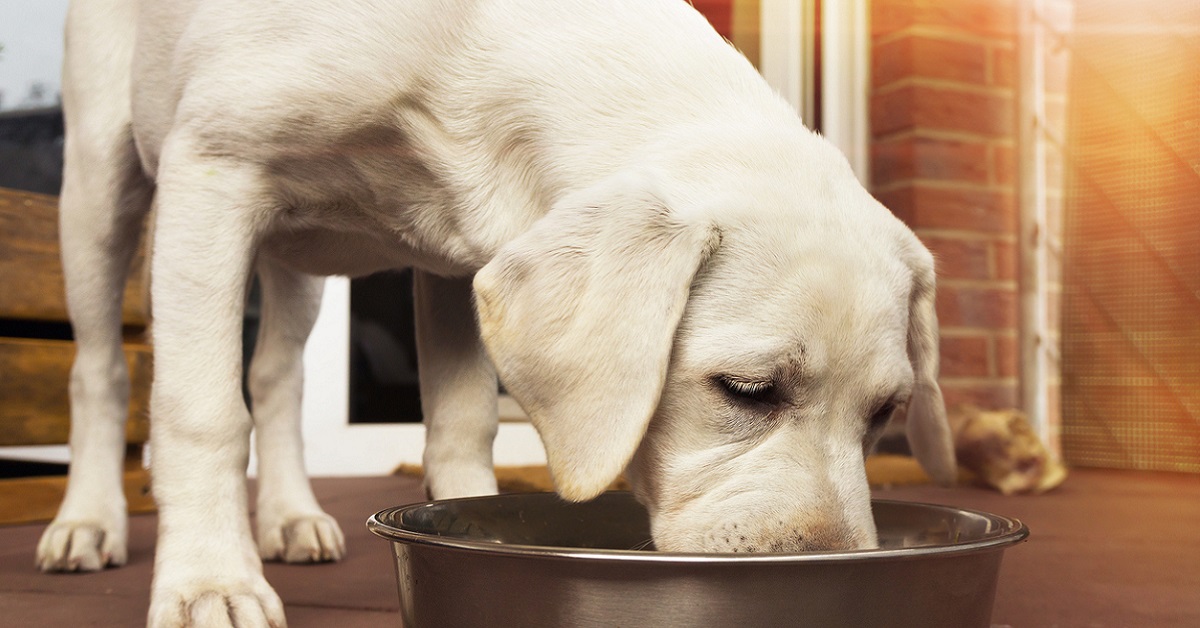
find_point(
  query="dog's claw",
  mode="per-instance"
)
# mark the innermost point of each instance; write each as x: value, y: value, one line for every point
x: 304, y: 539
x: 232, y: 605
x: 79, y: 546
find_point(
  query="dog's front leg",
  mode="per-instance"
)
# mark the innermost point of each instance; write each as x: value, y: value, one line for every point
x: 207, y: 570
x: 458, y: 390
x: 104, y: 201
x: 291, y: 525
x: 103, y: 204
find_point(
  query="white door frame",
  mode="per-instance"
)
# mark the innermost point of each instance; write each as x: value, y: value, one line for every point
x: 787, y: 61
x: 1038, y: 253
x: 846, y: 81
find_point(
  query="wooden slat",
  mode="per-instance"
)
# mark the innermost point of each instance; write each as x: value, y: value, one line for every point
x: 1131, y: 267
x: 28, y: 500
x: 34, y: 407
x: 31, y: 268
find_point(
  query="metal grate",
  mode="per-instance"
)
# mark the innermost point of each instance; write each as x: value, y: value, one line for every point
x: 1131, y: 256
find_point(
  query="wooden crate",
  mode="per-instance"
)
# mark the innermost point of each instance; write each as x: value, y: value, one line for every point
x: 36, y: 498
x: 36, y: 356
x: 33, y: 389
x: 31, y: 267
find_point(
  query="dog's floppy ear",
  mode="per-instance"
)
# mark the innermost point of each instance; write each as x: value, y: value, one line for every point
x: 928, y: 430
x: 579, y: 315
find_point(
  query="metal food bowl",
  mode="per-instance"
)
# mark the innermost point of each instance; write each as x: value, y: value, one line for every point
x: 530, y: 560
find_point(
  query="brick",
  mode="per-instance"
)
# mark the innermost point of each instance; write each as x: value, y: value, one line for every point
x: 940, y: 159
x: 1003, y: 70
x: 976, y: 307
x: 987, y: 396
x: 719, y: 13
x: 965, y: 356
x: 899, y: 201
x: 923, y: 206
x: 1005, y: 261
x: 891, y: 61
x: 959, y: 258
x: 989, y: 114
x: 892, y: 112
x: 889, y: 16
x: 942, y: 109
x: 1007, y: 356
x: 929, y: 57
x: 964, y: 62
x: 892, y: 162
x: 950, y: 160
x: 1004, y: 165
x: 949, y: 109
x: 986, y: 18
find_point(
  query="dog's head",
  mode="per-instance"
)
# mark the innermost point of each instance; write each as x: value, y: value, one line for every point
x: 737, y: 343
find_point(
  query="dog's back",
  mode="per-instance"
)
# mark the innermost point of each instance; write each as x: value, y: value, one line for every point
x: 485, y: 107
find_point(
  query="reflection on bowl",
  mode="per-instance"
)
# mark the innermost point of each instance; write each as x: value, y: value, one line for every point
x: 533, y: 560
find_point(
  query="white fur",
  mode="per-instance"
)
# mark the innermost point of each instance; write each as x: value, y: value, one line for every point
x: 641, y: 217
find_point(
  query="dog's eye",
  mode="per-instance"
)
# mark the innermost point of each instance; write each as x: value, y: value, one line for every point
x: 749, y: 390
x: 881, y: 416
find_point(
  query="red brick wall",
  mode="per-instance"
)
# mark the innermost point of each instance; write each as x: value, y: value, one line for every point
x: 719, y: 14
x: 942, y: 116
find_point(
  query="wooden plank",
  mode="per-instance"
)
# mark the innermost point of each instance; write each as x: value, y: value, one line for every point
x: 34, y: 406
x: 31, y: 268
x: 33, y: 499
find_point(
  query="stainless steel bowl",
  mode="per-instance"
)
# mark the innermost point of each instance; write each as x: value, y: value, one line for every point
x: 530, y: 560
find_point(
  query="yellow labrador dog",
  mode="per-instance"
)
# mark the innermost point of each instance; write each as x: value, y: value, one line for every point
x: 605, y: 206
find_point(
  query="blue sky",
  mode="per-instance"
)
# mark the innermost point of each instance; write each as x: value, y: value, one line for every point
x: 31, y: 32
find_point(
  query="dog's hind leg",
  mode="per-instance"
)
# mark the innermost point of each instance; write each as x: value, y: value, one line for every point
x: 291, y: 526
x: 458, y: 390
x: 211, y: 209
x: 103, y: 205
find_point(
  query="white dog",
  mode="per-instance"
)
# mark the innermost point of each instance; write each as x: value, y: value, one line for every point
x: 669, y: 272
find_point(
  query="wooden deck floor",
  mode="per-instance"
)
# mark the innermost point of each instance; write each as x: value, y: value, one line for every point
x: 1109, y: 549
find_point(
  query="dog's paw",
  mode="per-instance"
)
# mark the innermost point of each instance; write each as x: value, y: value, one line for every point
x: 81, y: 546
x: 302, y: 539
x: 222, y: 604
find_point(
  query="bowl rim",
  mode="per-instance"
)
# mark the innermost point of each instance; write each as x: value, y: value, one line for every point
x: 1013, y: 532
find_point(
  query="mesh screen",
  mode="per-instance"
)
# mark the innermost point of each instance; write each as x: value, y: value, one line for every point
x: 1131, y: 252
